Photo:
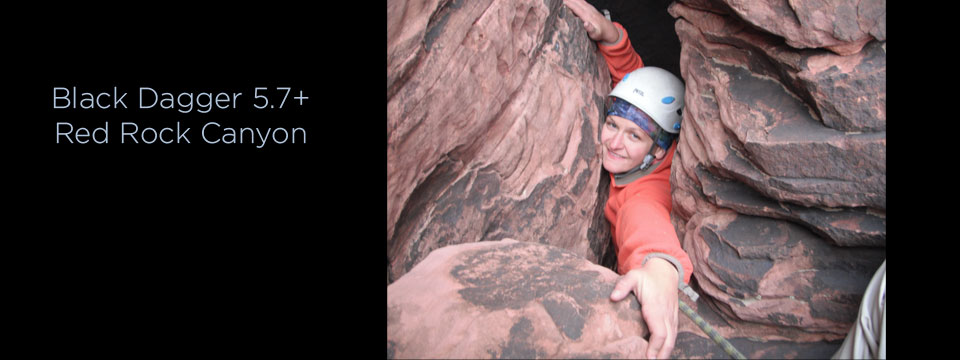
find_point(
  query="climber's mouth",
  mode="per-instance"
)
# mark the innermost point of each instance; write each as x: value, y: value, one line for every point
x: 613, y: 155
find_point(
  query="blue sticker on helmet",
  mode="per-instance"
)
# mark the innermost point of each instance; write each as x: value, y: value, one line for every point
x: 676, y: 126
x: 625, y: 77
x: 667, y: 100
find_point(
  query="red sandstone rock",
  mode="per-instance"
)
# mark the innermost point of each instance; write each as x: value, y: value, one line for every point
x: 509, y: 299
x: 834, y: 85
x: 766, y: 130
x: 840, y: 26
x: 493, y: 109
x: 770, y: 272
x: 779, y: 180
x: 693, y: 343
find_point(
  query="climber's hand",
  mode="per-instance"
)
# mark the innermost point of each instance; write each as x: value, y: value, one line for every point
x: 597, y: 26
x: 655, y: 285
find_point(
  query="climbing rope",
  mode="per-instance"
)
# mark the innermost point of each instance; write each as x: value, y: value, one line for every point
x: 726, y: 345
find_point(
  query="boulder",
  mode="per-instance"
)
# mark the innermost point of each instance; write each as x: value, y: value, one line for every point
x: 779, y: 179
x: 493, y: 118
x: 510, y: 299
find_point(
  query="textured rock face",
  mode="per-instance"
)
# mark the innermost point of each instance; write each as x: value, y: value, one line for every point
x: 493, y: 109
x: 692, y: 343
x: 779, y: 181
x: 509, y: 299
x: 841, y: 26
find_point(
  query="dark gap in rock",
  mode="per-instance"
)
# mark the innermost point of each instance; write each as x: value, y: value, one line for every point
x: 650, y: 28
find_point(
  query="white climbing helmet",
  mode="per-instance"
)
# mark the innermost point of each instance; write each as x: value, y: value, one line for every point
x: 657, y: 92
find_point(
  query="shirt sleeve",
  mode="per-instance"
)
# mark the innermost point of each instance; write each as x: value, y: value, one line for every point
x: 647, y: 231
x: 620, y: 56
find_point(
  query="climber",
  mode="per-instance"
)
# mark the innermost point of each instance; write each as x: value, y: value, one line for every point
x: 638, y: 140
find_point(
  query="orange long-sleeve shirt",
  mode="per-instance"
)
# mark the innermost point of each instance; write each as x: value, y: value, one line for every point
x: 639, y: 210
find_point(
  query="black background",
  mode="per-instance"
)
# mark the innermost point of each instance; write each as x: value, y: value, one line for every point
x: 212, y: 248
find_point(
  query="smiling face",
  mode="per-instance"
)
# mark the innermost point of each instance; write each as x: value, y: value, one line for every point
x: 624, y: 145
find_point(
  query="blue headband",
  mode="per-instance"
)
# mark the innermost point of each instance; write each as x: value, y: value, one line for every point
x: 627, y: 111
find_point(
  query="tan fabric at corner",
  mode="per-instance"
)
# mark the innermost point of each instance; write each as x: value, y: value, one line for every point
x: 867, y: 338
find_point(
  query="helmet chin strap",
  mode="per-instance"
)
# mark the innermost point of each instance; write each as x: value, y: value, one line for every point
x: 644, y: 165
